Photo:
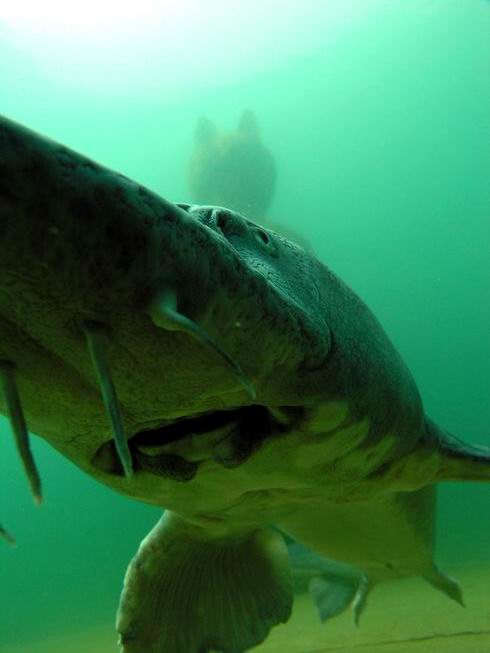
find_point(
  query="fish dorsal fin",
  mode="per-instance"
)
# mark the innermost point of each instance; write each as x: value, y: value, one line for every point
x: 248, y: 125
x: 459, y: 461
x: 206, y: 130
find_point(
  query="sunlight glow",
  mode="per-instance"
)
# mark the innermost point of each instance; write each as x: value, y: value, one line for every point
x: 87, y: 16
x: 125, y: 46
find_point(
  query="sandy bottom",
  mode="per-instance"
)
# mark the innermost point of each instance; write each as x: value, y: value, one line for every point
x: 405, y: 616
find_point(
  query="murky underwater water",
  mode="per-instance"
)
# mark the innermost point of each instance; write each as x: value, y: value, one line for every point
x: 377, y: 116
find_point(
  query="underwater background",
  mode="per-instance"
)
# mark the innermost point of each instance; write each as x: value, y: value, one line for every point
x: 377, y: 113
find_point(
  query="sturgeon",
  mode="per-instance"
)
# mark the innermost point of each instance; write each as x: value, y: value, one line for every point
x: 188, y: 358
x: 236, y: 170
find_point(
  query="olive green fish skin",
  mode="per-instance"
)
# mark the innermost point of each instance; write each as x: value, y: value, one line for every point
x: 81, y: 242
x: 335, y: 449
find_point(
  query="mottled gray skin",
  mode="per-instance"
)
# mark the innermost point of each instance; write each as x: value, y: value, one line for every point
x: 340, y: 455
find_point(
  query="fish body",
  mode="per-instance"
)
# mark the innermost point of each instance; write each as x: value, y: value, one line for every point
x: 189, y: 358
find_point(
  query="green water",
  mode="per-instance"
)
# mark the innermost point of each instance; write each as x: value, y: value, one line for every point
x: 378, y: 116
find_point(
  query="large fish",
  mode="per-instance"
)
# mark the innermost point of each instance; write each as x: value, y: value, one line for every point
x: 236, y: 170
x: 232, y: 169
x: 188, y: 358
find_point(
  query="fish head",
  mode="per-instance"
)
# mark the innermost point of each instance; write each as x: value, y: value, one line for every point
x: 113, y: 300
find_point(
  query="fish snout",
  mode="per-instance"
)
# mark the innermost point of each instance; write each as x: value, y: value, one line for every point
x: 244, y: 235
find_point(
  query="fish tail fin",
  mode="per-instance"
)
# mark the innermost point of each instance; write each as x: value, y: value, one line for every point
x: 187, y: 594
x: 459, y: 461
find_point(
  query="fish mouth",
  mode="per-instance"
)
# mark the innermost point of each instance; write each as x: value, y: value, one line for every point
x: 176, y: 448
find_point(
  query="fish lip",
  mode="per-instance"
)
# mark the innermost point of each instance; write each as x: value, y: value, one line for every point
x: 179, y: 428
x: 253, y: 423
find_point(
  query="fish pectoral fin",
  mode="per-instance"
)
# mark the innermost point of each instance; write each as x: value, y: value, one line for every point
x: 332, y: 596
x: 187, y: 594
x: 458, y: 461
x: 444, y: 583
